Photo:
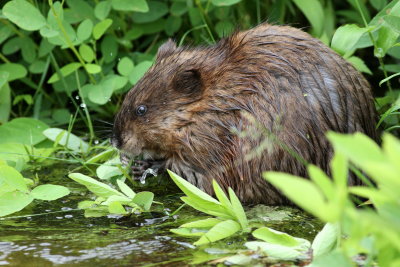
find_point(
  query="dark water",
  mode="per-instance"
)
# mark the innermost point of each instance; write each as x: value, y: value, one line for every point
x: 62, y: 236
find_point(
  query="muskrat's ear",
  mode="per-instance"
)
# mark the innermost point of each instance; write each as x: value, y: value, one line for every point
x: 188, y: 82
x: 166, y: 49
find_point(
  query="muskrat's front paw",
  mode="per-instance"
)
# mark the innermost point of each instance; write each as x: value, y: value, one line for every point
x: 139, y: 167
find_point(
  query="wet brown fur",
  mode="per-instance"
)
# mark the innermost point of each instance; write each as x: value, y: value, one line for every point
x: 199, y: 99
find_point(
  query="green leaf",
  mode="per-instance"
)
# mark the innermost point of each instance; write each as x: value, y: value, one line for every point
x: 359, y: 64
x: 157, y: 9
x: 294, y: 187
x: 274, y: 251
x: 314, y: 12
x: 37, y: 67
x: 116, y: 208
x: 102, y: 156
x: 393, y: 22
x: 16, y: 71
x: 109, y: 169
x: 224, y: 28
x: 325, y: 241
x: 129, y: 5
x: 387, y: 37
x: 178, y: 8
x: 345, y: 39
x: 5, y: 98
x: 340, y: 170
x: 238, y: 209
x: 49, y: 192
x: 109, y: 48
x: 101, y: 28
x: 138, y: 71
x: 15, y: 154
x: 144, y: 200
x: 27, y: 98
x: 206, y: 223
x: 333, y: 259
x: 121, y: 199
x: 224, y: 2
x: 81, y: 9
x: 220, y: 194
x: 188, y: 232
x: 125, y: 66
x: 96, y: 187
x: 11, y: 202
x: 12, y: 178
x: 92, y: 68
x: 189, y: 189
x: 65, y: 71
x: 275, y: 237
x: 391, y: 148
x: 219, y: 231
x: 172, y: 25
x: 23, y: 130
x: 86, y: 53
x: 102, y: 10
x: 24, y: 14
x: 66, y: 139
x: 84, y: 30
x: 208, y: 207
x: 102, y: 92
x: 125, y: 189
x: 320, y: 179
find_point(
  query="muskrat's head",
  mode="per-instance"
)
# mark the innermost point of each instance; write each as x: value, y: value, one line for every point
x: 156, y: 111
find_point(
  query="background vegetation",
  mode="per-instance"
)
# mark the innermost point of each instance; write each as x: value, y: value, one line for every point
x: 66, y: 66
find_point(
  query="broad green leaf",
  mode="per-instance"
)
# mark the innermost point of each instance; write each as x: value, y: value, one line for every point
x: 86, y: 53
x: 178, y: 8
x: 325, y: 241
x: 109, y: 48
x: 15, y: 71
x: 125, y: 189
x: 238, y: 209
x: 172, y: 25
x: 391, y: 148
x: 96, y: 187
x: 64, y: 138
x: 102, y: 10
x: 81, y: 9
x: 321, y: 180
x: 49, y: 192
x: 188, y: 232
x: 101, y: 27
x: 191, y: 190
x: 275, y: 237
x: 15, y: 154
x: 219, y: 231
x: 314, y: 12
x: 138, y: 71
x: 121, y: 199
x: 28, y: 50
x: 359, y: 64
x: 23, y: 130
x: 24, y: 14
x: 129, y: 5
x: 387, y: 37
x: 340, y: 170
x: 345, y: 38
x: 101, y: 93
x: 96, y: 212
x: 3, y: 78
x: 224, y: 28
x: 84, y: 30
x: 206, y: 223
x: 125, y: 66
x: 332, y: 259
x: 393, y: 21
x: 92, y: 68
x: 157, y: 9
x: 86, y: 204
x: 37, y: 67
x: 144, y: 200
x: 207, y: 207
x: 109, y: 169
x: 274, y: 251
x: 224, y: 2
x: 116, y: 208
x: 11, y: 177
x: 294, y: 187
x: 65, y: 71
x: 5, y: 98
x: 221, y: 196
x: 11, y: 202
x: 102, y: 156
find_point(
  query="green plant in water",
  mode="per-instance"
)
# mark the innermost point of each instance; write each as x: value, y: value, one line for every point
x: 352, y: 231
x: 110, y: 200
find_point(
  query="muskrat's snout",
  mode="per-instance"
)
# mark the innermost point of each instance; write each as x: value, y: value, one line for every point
x: 116, y: 139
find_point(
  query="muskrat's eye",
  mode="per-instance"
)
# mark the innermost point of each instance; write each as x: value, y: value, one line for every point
x: 141, y: 110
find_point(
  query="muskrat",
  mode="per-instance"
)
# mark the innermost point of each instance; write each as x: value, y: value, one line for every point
x: 191, y: 108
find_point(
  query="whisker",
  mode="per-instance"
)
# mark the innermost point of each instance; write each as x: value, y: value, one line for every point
x: 106, y: 122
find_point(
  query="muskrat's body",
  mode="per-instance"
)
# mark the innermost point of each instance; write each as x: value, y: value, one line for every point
x: 191, y: 109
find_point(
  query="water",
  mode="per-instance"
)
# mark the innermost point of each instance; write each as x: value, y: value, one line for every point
x: 62, y: 236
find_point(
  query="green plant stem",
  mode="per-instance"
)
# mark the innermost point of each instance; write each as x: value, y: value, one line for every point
x: 86, y: 110
x: 205, y: 19
x: 2, y: 57
x: 381, y: 63
x: 69, y: 42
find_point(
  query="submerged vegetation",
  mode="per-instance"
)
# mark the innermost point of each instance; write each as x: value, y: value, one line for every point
x: 66, y: 66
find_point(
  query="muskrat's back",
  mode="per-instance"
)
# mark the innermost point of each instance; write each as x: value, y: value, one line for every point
x: 207, y: 107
